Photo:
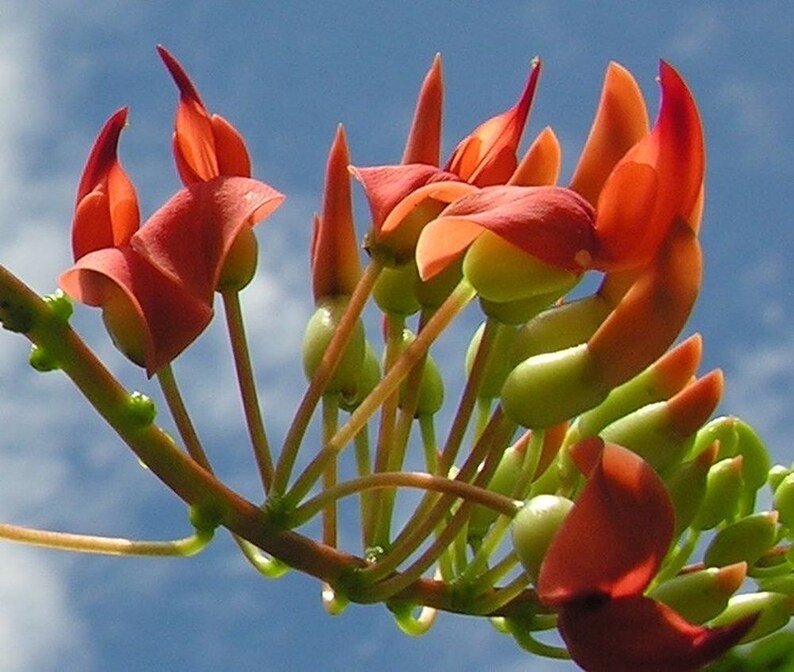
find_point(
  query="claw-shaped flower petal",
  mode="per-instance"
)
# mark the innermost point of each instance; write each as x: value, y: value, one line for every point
x: 205, y: 145
x: 106, y: 212
x: 603, y: 557
x: 658, y: 181
x: 487, y: 156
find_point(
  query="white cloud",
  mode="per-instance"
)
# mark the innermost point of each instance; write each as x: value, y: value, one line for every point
x: 701, y: 30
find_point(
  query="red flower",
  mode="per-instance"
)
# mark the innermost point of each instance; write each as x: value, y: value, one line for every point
x: 605, y: 554
x: 155, y: 284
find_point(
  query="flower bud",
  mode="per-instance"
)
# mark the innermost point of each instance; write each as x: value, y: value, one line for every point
x: 687, y: 487
x: 319, y: 331
x: 776, y: 476
x: 784, y: 501
x: 699, y: 596
x: 658, y: 382
x: 660, y: 432
x: 773, y: 610
x: 724, y: 485
x: 533, y: 528
x: 546, y: 389
x: 746, y: 540
x: 239, y: 265
x: 394, y: 290
x: 431, y: 384
x: 369, y: 378
x: 560, y: 327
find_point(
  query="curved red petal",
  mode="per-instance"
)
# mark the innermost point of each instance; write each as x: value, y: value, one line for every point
x: 553, y: 224
x: 637, y: 633
x: 166, y: 316
x: 386, y: 186
x: 189, y: 237
x: 614, y: 539
x: 232, y: 153
x: 106, y: 211
x: 488, y: 155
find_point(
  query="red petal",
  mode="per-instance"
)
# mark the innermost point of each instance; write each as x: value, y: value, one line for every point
x: 637, y: 633
x: 424, y: 138
x: 551, y: 223
x: 614, y: 539
x: 205, y: 146
x: 189, y: 237
x: 386, y: 186
x: 167, y: 317
x: 488, y: 155
x: 106, y: 212
x: 336, y: 266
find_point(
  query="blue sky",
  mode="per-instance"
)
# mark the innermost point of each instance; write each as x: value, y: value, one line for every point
x: 286, y: 73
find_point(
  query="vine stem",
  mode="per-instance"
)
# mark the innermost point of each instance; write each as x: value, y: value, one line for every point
x: 248, y: 392
x: 86, y: 543
x: 459, y: 298
x: 318, y: 383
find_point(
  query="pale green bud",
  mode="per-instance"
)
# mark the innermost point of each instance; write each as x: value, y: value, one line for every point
x: 534, y: 527
x: 774, y: 611
x: 746, y: 540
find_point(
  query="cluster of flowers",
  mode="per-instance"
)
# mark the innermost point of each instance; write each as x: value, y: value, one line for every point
x: 592, y: 513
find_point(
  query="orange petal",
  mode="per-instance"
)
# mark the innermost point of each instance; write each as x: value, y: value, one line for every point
x: 336, y: 267
x: 106, y: 213
x: 441, y: 242
x: 488, y: 155
x: 674, y: 151
x: 189, y: 237
x: 637, y: 633
x: 620, y: 122
x: 424, y: 138
x: 158, y: 312
x: 648, y: 319
x: 541, y: 164
x: 615, y: 537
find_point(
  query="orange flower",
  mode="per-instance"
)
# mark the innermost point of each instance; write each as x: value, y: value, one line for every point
x: 603, y: 557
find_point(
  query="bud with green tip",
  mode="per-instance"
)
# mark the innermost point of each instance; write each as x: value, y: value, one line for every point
x: 701, y: 595
x: 534, y: 527
x: 746, y: 540
x: 687, y: 487
x: 503, y: 481
x: 394, y: 290
x: 369, y: 378
x: 499, y: 364
x: 724, y: 485
x: 431, y: 384
x: 776, y: 476
x: 784, y: 501
x: 772, y: 611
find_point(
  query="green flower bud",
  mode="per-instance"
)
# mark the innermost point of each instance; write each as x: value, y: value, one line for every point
x: 546, y: 389
x: 756, y: 457
x: 647, y: 432
x: 699, y: 596
x: 432, y: 293
x: 774, y: 611
x: 140, y: 409
x: 720, y: 429
x: 778, y: 584
x: 534, y: 527
x: 369, y: 378
x: 499, y: 364
x: 746, y: 540
x: 784, y: 501
x: 687, y: 488
x: 239, y: 265
x: 776, y: 475
x: 60, y: 305
x: 516, y: 276
x: 723, y: 487
x: 560, y: 327
x: 394, y: 290
x: 431, y: 384
x: 41, y: 359
x: 319, y: 331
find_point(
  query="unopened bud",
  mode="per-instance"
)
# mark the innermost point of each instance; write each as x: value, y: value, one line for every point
x: 746, y: 540
x: 534, y: 527
x: 723, y: 488
x: 773, y: 612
